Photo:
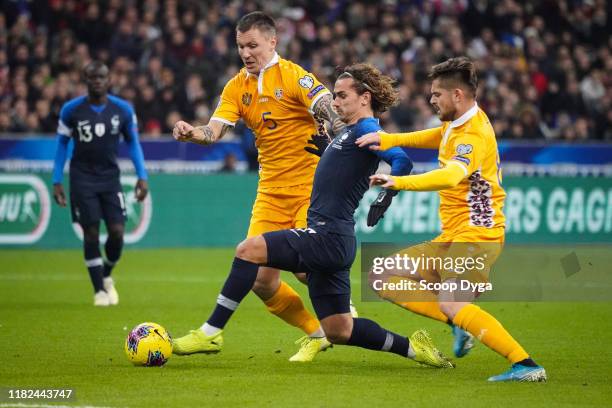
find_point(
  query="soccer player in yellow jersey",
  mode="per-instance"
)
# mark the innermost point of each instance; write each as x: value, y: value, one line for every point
x: 471, y: 201
x: 284, y: 105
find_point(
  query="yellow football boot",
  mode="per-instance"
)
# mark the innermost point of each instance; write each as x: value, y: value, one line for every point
x: 309, y: 348
x: 198, y: 342
x: 426, y: 352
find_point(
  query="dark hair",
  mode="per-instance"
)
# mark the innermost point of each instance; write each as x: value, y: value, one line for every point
x: 259, y: 20
x: 94, y: 65
x: 367, y: 77
x: 456, y: 72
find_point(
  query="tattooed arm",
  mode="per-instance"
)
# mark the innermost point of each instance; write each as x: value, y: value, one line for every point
x: 204, y: 135
x: 323, y: 111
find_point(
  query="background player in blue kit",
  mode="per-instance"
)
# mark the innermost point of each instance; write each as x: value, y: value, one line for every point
x: 95, y: 123
x: 326, y: 249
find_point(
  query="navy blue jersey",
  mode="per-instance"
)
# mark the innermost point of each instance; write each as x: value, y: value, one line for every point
x: 342, y: 178
x: 95, y: 131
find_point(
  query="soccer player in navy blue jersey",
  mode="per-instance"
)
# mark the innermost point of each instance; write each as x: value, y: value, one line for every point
x: 326, y: 249
x: 95, y: 123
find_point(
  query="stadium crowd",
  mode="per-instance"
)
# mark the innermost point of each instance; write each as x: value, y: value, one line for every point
x: 545, y: 66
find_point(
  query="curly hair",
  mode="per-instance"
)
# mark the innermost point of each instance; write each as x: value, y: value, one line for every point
x: 367, y: 78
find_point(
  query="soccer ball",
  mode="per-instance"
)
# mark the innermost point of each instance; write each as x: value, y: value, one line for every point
x: 148, y: 344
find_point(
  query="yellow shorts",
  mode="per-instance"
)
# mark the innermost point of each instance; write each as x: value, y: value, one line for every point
x: 467, y: 255
x: 280, y: 208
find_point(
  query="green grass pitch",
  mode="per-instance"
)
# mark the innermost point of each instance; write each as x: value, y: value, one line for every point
x: 51, y: 336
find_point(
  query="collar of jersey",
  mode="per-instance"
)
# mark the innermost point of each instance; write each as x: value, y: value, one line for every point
x: 270, y: 64
x: 363, y: 120
x: 465, y: 117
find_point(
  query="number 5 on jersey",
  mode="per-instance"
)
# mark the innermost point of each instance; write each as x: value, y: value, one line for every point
x: 268, y: 122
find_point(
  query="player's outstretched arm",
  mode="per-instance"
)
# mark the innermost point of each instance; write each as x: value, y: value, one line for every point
x: 422, y: 139
x: 323, y: 111
x: 435, y: 180
x: 204, y: 135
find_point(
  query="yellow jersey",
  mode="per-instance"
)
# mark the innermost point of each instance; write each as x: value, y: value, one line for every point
x: 277, y: 106
x: 479, y: 198
x: 467, y: 152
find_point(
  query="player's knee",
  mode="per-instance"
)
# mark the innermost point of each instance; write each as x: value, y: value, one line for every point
x: 243, y: 250
x: 449, y: 309
x: 91, y: 235
x: 252, y: 250
x: 115, y: 232
x: 338, y: 329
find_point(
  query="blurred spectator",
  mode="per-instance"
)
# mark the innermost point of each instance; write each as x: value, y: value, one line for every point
x: 229, y: 163
x: 545, y: 67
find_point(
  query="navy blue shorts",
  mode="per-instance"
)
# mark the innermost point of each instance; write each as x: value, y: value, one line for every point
x: 89, y: 207
x: 325, y: 257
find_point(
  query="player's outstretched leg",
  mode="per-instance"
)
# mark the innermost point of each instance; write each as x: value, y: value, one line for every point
x: 112, y: 248
x: 342, y: 328
x: 491, y: 333
x: 425, y: 303
x: 208, y: 338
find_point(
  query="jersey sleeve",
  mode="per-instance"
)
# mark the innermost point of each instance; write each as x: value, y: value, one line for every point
x: 396, y: 157
x: 228, y: 110
x: 435, y: 180
x: 305, y: 87
x: 61, y: 154
x: 467, y: 152
x: 422, y: 139
x: 64, y: 124
x: 130, y: 124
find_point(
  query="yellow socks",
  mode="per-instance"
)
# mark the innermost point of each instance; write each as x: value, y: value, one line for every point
x: 490, y: 332
x: 287, y: 304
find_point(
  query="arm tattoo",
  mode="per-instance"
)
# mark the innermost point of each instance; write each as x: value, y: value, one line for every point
x: 323, y: 111
x: 209, y: 135
x: 224, y: 130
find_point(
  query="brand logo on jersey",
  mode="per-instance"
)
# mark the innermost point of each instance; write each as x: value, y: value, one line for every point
x: 337, y: 144
x: 306, y: 82
x: 315, y: 91
x: 138, y: 214
x: 278, y: 93
x: 99, y: 129
x: 25, y: 209
x: 115, y: 124
x: 464, y: 149
x: 247, y: 98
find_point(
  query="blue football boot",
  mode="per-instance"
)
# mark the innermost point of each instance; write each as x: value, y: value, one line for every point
x: 463, y: 343
x: 523, y: 373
